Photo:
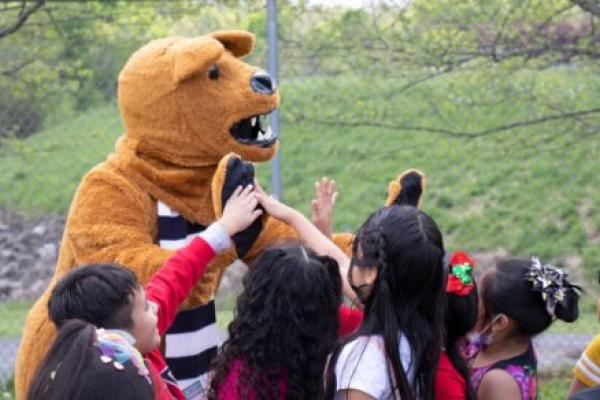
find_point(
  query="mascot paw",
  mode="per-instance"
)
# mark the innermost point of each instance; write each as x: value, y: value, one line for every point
x: 231, y: 173
x: 407, y: 189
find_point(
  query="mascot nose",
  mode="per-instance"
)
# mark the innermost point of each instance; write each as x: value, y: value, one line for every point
x: 261, y: 82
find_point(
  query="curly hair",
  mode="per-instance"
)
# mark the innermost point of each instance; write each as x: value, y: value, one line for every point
x: 285, y: 325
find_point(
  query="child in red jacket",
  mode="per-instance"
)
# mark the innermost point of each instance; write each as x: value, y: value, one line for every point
x: 133, y: 319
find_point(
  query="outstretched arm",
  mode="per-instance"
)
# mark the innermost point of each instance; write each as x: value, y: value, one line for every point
x: 309, y: 234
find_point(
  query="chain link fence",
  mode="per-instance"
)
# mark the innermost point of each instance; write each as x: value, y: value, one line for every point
x: 496, y: 101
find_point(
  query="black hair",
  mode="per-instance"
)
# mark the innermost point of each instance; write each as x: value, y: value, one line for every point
x: 285, y: 325
x: 101, y: 294
x: 406, y: 247
x: 505, y: 290
x: 461, y: 314
x: 72, y: 369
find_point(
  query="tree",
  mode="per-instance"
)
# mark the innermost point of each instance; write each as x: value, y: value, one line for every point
x: 25, y: 10
x: 504, y: 48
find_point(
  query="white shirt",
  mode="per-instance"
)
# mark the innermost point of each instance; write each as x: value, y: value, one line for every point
x: 362, y: 365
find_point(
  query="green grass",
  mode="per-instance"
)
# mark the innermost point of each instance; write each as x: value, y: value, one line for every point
x: 40, y: 174
x: 7, y: 391
x: 12, y: 318
x: 555, y: 388
x: 530, y: 191
x: 13, y: 314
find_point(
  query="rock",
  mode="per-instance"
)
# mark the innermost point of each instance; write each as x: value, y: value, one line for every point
x: 29, y: 249
x: 39, y: 230
x: 231, y: 284
x: 48, y: 251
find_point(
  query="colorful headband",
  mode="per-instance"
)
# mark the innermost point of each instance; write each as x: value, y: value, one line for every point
x: 115, y: 349
x: 460, y: 277
x: 550, y: 281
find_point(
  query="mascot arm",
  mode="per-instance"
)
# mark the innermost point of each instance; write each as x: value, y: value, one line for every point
x: 406, y: 189
x: 112, y: 220
x: 267, y: 231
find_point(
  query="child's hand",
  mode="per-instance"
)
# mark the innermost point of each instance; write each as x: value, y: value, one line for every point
x: 273, y: 206
x: 322, y: 207
x: 240, y: 210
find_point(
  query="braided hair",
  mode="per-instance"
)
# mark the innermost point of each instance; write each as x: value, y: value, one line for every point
x: 406, y: 247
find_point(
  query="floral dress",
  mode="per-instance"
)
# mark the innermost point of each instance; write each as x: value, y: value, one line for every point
x: 523, y: 369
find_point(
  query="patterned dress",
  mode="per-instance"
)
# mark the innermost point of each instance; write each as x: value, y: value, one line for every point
x: 523, y: 369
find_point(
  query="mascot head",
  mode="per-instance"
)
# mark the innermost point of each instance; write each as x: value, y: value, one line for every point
x: 190, y: 101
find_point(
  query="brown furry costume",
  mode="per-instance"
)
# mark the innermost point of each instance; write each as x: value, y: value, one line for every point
x: 180, y: 100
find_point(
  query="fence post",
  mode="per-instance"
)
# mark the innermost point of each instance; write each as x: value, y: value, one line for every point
x: 274, y: 71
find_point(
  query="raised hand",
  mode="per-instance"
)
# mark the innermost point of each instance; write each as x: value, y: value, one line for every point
x: 240, y: 210
x: 323, y: 205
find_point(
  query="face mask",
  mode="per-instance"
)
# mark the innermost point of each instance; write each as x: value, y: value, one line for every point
x: 474, y: 342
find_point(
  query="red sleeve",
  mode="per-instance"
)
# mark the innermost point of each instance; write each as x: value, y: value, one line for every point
x: 173, y: 282
x: 350, y: 319
x: 449, y: 384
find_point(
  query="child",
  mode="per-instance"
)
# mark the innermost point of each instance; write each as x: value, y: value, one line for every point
x: 82, y: 372
x: 519, y: 298
x: 587, y: 369
x: 460, y: 318
x: 460, y: 304
x: 285, y: 325
x: 110, y: 297
x: 397, y: 273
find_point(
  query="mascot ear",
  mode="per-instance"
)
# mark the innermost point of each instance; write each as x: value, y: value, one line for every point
x: 239, y: 43
x: 407, y: 189
x: 193, y: 56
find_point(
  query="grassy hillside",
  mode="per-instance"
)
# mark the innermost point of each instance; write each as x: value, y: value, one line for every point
x: 530, y: 190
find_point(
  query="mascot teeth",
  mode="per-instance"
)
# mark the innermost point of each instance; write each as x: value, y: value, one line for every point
x: 269, y: 133
x: 254, y: 131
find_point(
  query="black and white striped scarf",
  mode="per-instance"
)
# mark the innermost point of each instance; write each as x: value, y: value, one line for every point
x: 193, y: 339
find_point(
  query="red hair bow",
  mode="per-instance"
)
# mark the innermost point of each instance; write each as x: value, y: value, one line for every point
x: 460, y: 277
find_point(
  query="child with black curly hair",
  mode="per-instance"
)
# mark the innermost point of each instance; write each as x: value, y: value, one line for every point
x: 284, y: 327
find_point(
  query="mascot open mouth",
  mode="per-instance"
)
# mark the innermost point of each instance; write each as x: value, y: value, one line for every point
x: 254, y: 131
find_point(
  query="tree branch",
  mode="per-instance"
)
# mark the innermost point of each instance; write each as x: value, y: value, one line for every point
x: 23, y: 16
x: 444, y: 131
x: 591, y: 6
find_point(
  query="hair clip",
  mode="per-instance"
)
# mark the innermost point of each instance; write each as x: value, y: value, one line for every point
x: 460, y: 277
x: 550, y: 281
x: 116, y: 350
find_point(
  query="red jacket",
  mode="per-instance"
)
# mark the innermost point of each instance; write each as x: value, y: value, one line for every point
x: 168, y: 288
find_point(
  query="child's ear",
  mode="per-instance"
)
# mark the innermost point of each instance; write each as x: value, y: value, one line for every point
x: 407, y: 189
x: 502, y: 323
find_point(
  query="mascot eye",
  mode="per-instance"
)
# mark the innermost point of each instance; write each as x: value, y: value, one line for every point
x: 213, y: 72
